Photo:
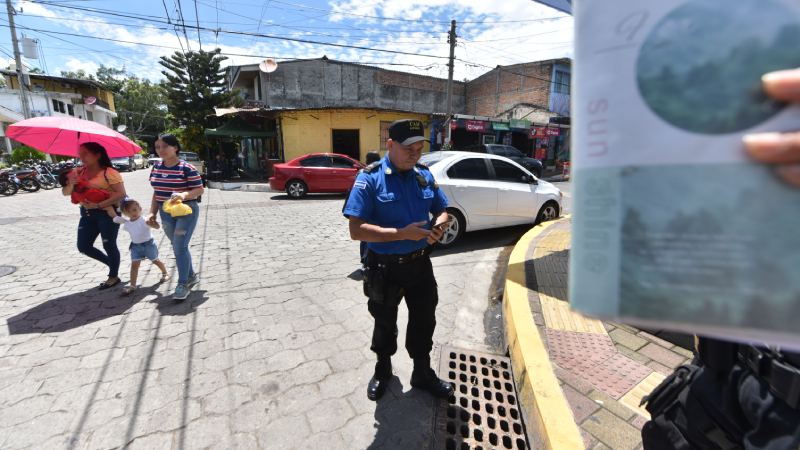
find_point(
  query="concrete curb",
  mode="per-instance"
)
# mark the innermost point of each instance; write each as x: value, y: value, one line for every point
x: 541, y: 399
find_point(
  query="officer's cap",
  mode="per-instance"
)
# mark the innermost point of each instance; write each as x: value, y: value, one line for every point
x: 407, y: 132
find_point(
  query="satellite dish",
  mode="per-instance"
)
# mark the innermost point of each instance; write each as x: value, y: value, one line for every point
x: 268, y: 66
x: 90, y: 100
x: 122, y: 127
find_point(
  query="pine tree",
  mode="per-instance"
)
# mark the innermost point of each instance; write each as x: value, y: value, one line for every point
x: 195, y: 85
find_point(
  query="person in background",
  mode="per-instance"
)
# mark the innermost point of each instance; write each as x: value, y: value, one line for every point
x: 174, y: 177
x: 142, y: 244
x: 96, y: 173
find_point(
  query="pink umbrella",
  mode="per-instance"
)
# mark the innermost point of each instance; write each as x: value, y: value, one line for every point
x: 63, y: 135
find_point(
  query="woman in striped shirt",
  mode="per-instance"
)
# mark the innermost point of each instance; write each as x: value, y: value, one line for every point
x: 173, y: 177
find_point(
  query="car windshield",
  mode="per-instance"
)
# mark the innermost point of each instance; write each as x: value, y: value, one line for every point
x: 119, y: 160
x: 511, y: 151
x: 432, y: 158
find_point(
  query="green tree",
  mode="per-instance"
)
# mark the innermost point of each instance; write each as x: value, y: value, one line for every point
x: 195, y: 85
x: 141, y: 106
x: 23, y: 153
x: 78, y: 75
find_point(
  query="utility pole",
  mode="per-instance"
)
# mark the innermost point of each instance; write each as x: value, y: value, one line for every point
x: 451, y: 39
x: 26, y: 112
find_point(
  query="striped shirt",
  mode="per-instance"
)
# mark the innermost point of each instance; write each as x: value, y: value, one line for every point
x: 171, y: 180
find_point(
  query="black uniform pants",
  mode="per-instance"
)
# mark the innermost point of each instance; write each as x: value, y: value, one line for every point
x: 415, y: 282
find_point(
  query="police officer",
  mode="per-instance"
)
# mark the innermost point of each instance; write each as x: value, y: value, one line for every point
x: 398, y: 209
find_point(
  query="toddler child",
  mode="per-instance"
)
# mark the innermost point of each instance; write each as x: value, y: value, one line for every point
x: 142, y: 244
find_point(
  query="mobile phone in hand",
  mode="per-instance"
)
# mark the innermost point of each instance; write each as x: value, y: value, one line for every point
x: 441, y: 226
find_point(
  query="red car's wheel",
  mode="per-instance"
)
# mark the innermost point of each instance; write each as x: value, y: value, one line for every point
x: 296, y: 189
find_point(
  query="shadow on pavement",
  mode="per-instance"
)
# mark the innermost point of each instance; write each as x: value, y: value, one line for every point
x: 403, y: 420
x: 484, y: 239
x: 169, y: 307
x: 75, y: 310
x: 551, y: 278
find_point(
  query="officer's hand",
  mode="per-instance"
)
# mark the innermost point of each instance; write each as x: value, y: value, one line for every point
x: 415, y: 231
x: 781, y: 149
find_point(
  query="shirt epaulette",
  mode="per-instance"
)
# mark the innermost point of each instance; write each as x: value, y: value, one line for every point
x: 372, y: 167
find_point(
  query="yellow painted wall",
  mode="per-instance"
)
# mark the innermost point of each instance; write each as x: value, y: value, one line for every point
x: 309, y: 131
x: 57, y: 86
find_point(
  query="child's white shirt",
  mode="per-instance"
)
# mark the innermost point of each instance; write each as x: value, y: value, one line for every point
x: 138, y: 229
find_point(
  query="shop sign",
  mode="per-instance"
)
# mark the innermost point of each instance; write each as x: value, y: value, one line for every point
x: 537, y: 132
x: 520, y: 124
x: 552, y: 132
x: 500, y: 126
x: 476, y: 125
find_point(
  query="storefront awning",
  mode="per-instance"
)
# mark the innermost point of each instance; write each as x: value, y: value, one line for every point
x: 520, y: 124
x: 237, y: 127
x: 500, y: 126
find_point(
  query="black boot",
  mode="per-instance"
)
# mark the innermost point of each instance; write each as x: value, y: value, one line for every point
x: 423, y: 377
x: 383, y: 372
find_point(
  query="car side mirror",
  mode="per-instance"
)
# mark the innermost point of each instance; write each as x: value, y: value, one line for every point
x: 529, y: 179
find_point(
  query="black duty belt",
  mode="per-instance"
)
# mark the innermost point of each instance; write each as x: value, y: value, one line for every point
x: 399, y: 259
x: 782, y: 377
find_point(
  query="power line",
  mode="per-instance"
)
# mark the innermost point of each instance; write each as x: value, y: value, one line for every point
x: 284, y: 58
x: 197, y: 18
x: 106, y: 22
x: 299, y: 40
x: 335, y: 12
x: 179, y: 9
x: 146, y: 17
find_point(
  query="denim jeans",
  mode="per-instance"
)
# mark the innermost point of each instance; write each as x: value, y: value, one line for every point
x: 93, y: 223
x: 179, y: 230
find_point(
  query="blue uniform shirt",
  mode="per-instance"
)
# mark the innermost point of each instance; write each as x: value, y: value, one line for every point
x: 395, y: 200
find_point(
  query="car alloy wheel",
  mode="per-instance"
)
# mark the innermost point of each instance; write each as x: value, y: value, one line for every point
x: 450, y: 233
x: 454, y: 230
x: 548, y: 212
x: 296, y: 189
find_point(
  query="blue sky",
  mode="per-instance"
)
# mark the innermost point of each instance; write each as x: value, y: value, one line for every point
x: 490, y: 33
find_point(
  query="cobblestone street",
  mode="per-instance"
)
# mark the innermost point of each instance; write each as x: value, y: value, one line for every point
x: 271, y: 350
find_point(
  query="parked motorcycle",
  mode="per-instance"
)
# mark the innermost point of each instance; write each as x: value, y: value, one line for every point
x: 8, y: 184
x: 26, y: 179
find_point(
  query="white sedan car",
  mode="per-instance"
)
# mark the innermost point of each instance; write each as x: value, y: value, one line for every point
x: 489, y: 191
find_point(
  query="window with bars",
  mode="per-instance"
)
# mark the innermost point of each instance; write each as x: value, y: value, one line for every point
x: 561, y: 82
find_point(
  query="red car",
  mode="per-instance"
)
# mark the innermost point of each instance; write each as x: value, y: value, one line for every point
x: 315, y: 173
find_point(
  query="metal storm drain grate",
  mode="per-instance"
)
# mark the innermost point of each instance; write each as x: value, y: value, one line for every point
x: 7, y: 270
x: 483, y: 413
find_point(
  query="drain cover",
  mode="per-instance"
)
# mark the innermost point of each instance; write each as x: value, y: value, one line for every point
x: 483, y: 413
x: 7, y: 270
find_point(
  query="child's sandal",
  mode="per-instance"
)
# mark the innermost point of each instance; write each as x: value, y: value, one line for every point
x: 164, y: 277
x: 129, y: 290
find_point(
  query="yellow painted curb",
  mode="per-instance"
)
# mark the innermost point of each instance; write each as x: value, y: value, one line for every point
x: 540, y: 395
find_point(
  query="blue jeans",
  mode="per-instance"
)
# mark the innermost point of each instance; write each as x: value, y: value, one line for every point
x: 93, y: 223
x: 179, y: 230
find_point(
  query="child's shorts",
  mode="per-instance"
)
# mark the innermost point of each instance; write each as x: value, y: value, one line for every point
x: 145, y: 250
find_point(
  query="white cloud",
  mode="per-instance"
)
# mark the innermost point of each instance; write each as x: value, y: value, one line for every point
x: 495, y: 41
x: 74, y: 65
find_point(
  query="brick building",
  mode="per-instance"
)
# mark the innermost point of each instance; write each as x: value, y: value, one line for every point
x: 544, y: 84
x: 326, y: 105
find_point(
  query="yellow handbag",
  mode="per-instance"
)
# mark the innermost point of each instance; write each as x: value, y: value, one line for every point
x: 175, y: 208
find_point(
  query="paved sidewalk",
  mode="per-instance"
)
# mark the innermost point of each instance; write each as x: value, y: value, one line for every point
x: 604, y: 369
x: 270, y: 351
